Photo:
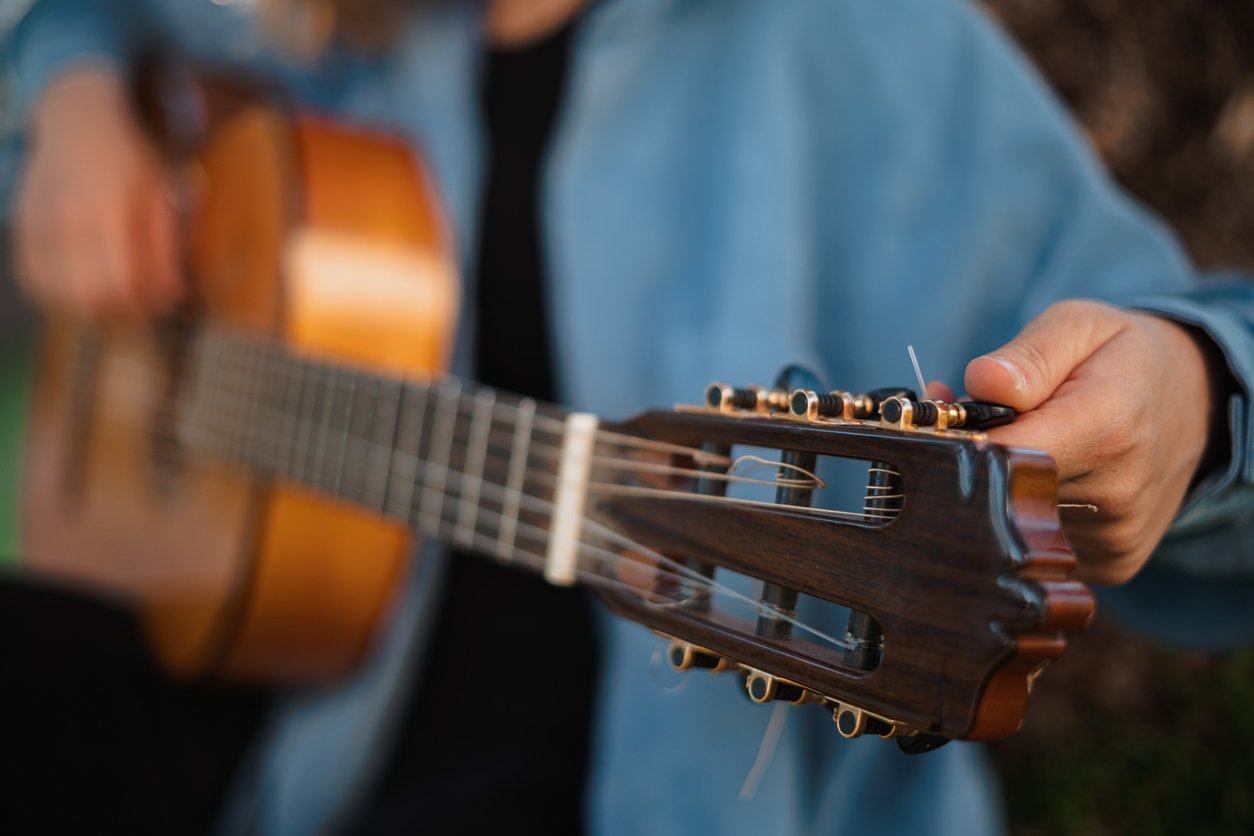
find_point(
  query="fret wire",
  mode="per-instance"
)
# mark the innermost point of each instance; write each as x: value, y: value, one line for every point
x: 269, y: 416
x: 412, y: 428
x: 441, y: 442
x: 271, y: 412
x: 323, y: 378
x: 254, y: 422
x: 310, y: 395
x: 253, y: 397
x: 517, y: 470
x: 238, y: 403
x: 476, y: 454
x: 289, y: 405
x: 364, y: 441
x: 255, y: 377
x: 246, y: 381
x: 348, y: 417
x: 392, y: 427
x: 218, y: 399
x: 326, y: 461
x: 220, y: 406
x: 252, y: 411
x: 190, y: 432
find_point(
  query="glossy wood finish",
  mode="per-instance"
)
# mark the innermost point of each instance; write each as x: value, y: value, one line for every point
x: 330, y: 239
x: 369, y: 279
x: 94, y: 516
x: 968, y: 583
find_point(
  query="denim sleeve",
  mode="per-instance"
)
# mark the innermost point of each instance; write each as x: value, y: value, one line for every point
x: 1096, y: 241
x: 1198, y: 588
x: 58, y: 34
x: 1100, y: 243
x: 962, y: 167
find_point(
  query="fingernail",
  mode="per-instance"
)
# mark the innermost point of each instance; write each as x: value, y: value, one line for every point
x: 1016, y: 373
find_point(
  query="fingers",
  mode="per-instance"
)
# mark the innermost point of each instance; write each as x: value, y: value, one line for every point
x: 1026, y: 371
x: 165, y: 281
x: 938, y: 391
x: 102, y: 264
x: 95, y: 233
x: 119, y: 278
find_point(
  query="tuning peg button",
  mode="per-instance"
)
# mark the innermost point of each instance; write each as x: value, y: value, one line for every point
x: 854, y: 722
x: 683, y: 656
x: 763, y: 688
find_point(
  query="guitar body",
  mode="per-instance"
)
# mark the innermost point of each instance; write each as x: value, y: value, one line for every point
x: 328, y: 239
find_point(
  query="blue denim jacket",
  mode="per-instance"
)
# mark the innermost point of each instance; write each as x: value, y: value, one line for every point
x: 735, y: 184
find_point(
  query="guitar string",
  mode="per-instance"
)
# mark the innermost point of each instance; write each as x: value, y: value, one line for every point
x: 251, y: 351
x: 662, y: 567
x: 309, y: 468
x: 550, y: 451
x: 257, y: 358
x: 556, y: 426
x: 621, y: 440
x: 672, y: 568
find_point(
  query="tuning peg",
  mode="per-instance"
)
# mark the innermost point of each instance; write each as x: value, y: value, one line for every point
x: 903, y: 413
x: 982, y: 416
x: 763, y: 688
x: 811, y: 405
x: 723, y: 397
x: 876, y: 397
x: 683, y: 656
x: 854, y: 722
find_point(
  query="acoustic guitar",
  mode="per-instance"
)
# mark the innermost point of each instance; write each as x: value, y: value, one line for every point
x: 251, y: 475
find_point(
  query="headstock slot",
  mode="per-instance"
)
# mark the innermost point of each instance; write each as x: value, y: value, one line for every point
x: 948, y: 626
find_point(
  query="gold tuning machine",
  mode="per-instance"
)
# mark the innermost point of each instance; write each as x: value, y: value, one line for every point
x: 723, y: 397
x: 903, y: 413
x: 683, y: 656
x: 853, y: 722
x: 809, y: 405
x: 764, y: 688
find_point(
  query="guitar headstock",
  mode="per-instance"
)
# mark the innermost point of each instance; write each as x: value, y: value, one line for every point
x: 951, y: 561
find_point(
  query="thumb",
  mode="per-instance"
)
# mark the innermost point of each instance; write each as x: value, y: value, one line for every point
x: 1024, y: 372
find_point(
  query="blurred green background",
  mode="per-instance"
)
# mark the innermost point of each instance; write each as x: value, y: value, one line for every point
x: 14, y: 374
x: 1122, y: 736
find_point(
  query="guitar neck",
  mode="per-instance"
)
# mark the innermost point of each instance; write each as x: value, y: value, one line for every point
x: 481, y: 470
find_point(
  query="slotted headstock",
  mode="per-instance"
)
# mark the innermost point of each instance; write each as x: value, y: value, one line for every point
x: 952, y: 564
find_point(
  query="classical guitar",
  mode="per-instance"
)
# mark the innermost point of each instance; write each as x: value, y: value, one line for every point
x: 251, y: 475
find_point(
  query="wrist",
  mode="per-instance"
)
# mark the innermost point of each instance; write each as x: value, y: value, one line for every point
x: 1211, y: 390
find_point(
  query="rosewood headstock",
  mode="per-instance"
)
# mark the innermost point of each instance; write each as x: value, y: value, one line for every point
x: 952, y: 563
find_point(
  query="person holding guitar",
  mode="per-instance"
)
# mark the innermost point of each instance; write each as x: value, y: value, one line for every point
x: 650, y: 193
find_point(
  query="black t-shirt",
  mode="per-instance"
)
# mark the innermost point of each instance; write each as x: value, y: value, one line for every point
x: 497, y: 737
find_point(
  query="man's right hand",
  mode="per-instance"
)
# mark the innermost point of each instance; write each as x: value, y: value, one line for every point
x: 95, y: 231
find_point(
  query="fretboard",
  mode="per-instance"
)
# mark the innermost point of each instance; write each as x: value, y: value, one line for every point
x: 467, y: 465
